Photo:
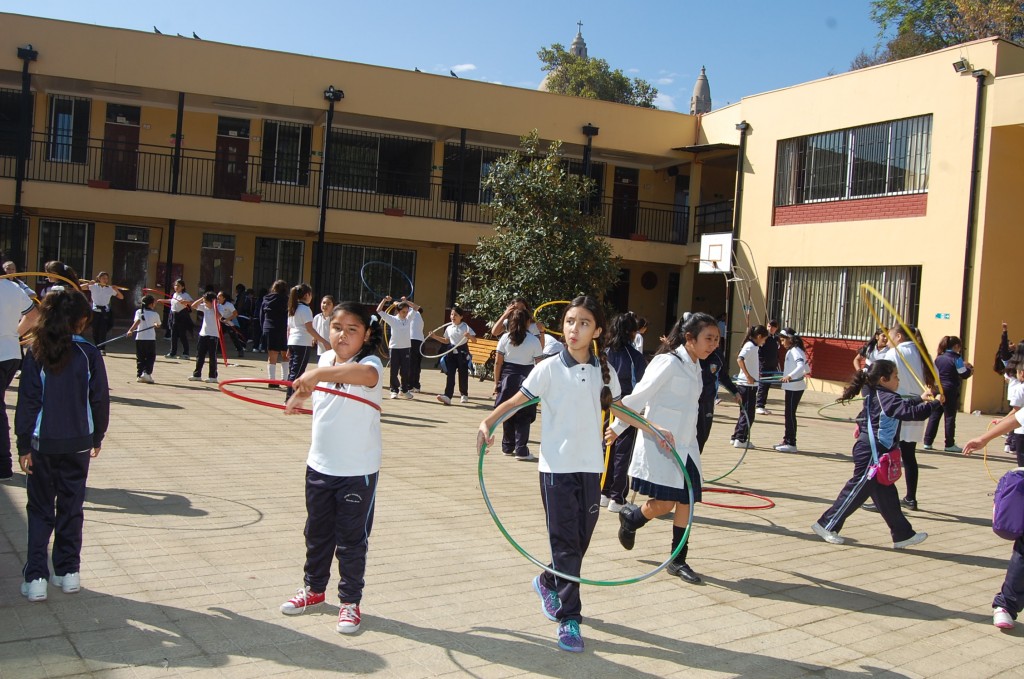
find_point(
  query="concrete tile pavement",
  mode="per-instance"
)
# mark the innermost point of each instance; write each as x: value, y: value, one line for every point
x: 193, y: 538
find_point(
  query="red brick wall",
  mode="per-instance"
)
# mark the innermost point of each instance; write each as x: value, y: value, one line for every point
x: 886, y: 207
x: 831, y: 359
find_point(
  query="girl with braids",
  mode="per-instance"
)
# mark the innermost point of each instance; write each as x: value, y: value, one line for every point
x: 59, y: 428
x: 301, y: 333
x: 514, y: 358
x: 669, y: 392
x: 629, y: 364
x: 343, y: 464
x: 573, y: 387
x: 880, y: 419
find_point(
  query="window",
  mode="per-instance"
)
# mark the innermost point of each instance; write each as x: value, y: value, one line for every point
x: 366, y: 161
x: 888, y: 158
x: 277, y: 259
x: 68, y: 242
x: 7, y: 233
x: 68, y: 132
x: 10, y: 121
x: 286, y: 153
x: 826, y: 301
x: 343, y: 272
x: 131, y: 234
x: 477, y: 166
x: 122, y: 114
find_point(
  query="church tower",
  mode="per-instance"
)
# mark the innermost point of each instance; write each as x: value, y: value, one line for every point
x: 700, y: 102
x: 579, y: 47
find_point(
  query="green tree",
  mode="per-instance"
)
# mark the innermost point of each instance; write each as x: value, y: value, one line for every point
x: 544, y: 246
x: 592, y: 78
x: 912, y: 27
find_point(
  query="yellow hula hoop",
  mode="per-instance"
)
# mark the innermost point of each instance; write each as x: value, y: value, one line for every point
x: 42, y: 273
x: 384, y: 349
x: 866, y: 292
x: 546, y: 304
x: 984, y: 456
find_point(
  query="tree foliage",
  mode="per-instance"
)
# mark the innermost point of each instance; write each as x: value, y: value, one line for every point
x: 592, y: 78
x: 912, y: 27
x: 544, y: 246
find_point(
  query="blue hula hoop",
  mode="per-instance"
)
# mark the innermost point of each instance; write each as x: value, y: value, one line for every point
x: 378, y: 295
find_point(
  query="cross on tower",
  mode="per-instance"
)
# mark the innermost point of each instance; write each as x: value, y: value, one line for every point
x: 579, y: 27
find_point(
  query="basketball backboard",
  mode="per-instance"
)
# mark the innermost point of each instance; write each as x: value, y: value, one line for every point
x: 715, y: 253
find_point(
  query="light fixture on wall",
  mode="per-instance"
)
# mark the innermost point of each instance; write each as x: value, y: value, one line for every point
x: 961, y: 65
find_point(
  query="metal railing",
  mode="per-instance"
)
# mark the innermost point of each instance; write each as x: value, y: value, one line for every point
x: 713, y: 218
x: 202, y: 173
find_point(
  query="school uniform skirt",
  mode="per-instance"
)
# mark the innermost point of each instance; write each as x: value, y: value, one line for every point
x: 656, y: 491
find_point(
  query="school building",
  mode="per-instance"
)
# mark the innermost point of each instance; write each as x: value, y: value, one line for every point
x: 145, y: 150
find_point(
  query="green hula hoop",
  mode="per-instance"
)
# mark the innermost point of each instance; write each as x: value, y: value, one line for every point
x: 736, y: 466
x: 558, y: 574
x: 832, y: 418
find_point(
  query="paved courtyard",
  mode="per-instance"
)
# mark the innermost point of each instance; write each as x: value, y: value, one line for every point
x: 193, y: 538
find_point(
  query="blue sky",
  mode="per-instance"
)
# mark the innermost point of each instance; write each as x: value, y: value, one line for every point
x: 748, y: 46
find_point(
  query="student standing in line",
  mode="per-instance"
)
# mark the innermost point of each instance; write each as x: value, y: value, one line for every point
x: 301, y: 334
x: 903, y: 352
x: 180, y: 320
x: 274, y: 311
x: 457, y: 334
x: 144, y: 326
x: 415, y: 341
x: 668, y: 394
x: 793, y: 385
x: 343, y: 464
x: 518, y: 351
x: 768, y: 357
x: 573, y: 388
x: 209, y: 338
x: 322, y: 322
x: 399, y: 344
x: 884, y: 412
x: 629, y: 365
x: 746, y: 384
x: 953, y: 370
x: 101, y: 292
x: 60, y: 428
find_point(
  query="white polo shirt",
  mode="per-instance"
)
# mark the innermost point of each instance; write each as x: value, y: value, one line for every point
x: 457, y: 334
x: 298, y: 335
x: 147, y: 319
x: 749, y: 355
x: 178, y: 300
x: 322, y: 324
x: 346, y: 433
x: 524, y: 354
x: 101, y: 295
x: 570, y: 393
x: 415, y: 325
x: 14, y: 304
x: 211, y: 324
x: 401, y: 331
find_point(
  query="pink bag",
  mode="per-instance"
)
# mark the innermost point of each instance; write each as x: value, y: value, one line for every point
x: 888, y: 469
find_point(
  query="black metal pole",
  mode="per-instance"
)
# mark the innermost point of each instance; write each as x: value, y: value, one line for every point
x: 972, y: 207
x: 331, y: 95
x: 17, y: 255
x: 590, y: 132
x: 175, y: 186
x: 743, y: 127
x: 462, y: 175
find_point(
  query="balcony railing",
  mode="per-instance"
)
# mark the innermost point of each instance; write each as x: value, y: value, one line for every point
x: 713, y: 218
x: 294, y: 181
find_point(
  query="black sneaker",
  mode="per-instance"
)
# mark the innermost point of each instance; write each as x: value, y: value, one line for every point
x: 683, y: 571
x: 627, y: 535
x: 910, y: 504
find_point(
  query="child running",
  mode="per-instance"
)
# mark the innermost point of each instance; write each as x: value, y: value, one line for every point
x: 953, y: 370
x: 793, y: 385
x: 59, y: 429
x: 144, y: 326
x: 878, y: 422
x: 668, y: 393
x: 343, y: 463
x: 746, y: 384
x: 573, y: 388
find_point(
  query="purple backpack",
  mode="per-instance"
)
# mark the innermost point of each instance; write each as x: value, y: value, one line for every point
x: 1008, y: 510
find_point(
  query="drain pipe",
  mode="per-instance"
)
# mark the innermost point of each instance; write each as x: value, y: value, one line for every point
x: 737, y: 212
x: 972, y: 204
x: 27, y: 56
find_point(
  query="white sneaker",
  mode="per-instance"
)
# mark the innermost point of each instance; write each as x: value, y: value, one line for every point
x: 441, y: 398
x: 1002, y: 619
x: 139, y: 379
x: 927, y: 446
x: 829, y: 536
x: 35, y: 590
x: 195, y: 378
x: 762, y: 411
x: 616, y: 507
x: 210, y: 380
x: 464, y: 399
x: 394, y: 394
x: 605, y: 500
x: 407, y: 395
x: 915, y: 539
x: 954, y: 449
x: 742, y: 444
x: 786, y: 448
x: 69, y: 584
x: 147, y: 378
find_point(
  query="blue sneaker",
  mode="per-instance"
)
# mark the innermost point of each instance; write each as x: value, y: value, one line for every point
x: 549, y: 601
x: 569, y: 638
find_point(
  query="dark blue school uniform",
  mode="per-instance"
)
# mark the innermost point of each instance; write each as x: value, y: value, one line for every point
x: 629, y: 365
x: 952, y: 372
x: 274, y: 312
x: 713, y: 372
x: 768, y: 356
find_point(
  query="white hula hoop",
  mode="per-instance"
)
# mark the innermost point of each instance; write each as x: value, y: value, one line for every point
x: 443, y: 353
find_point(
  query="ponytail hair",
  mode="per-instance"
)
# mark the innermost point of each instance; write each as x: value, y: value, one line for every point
x: 147, y: 301
x: 755, y: 331
x: 518, y: 324
x: 600, y: 322
x: 870, y: 377
x: 948, y: 342
x: 790, y: 334
x: 295, y: 295
x: 61, y: 269
x: 369, y: 321
x: 60, y: 318
x: 689, y: 326
x: 623, y: 327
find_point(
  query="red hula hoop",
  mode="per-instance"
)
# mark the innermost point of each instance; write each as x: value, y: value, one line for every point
x: 284, y: 383
x: 156, y: 290
x: 220, y: 332
x: 768, y: 502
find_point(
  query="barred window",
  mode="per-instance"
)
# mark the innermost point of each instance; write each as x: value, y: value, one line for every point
x: 68, y: 132
x: 68, y: 242
x: 888, y: 158
x: 377, y: 163
x: 826, y: 301
x: 286, y: 148
x: 343, y: 272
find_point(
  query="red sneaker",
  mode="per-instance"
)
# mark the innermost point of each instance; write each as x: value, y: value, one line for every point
x: 349, y: 619
x: 303, y: 599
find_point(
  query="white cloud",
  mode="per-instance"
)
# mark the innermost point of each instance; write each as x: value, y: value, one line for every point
x: 665, y: 102
x: 462, y: 68
x: 664, y: 81
x: 632, y: 70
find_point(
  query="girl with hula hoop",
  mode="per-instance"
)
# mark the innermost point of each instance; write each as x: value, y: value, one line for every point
x: 518, y: 351
x: 343, y: 463
x: 668, y: 393
x: 415, y: 343
x: 144, y: 326
x: 301, y: 333
x: 629, y: 365
x: 180, y: 320
x: 794, y: 369
x: 878, y: 424
x: 573, y: 388
x: 746, y: 384
x: 456, y: 335
x: 399, y: 343
x: 101, y: 292
x: 209, y: 337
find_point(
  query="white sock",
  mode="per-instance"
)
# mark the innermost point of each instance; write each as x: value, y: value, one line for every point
x: 272, y: 370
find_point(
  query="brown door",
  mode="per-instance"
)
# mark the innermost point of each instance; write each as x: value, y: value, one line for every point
x: 121, y: 155
x: 231, y: 167
x: 624, y: 202
x: 217, y: 268
x: 131, y: 267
